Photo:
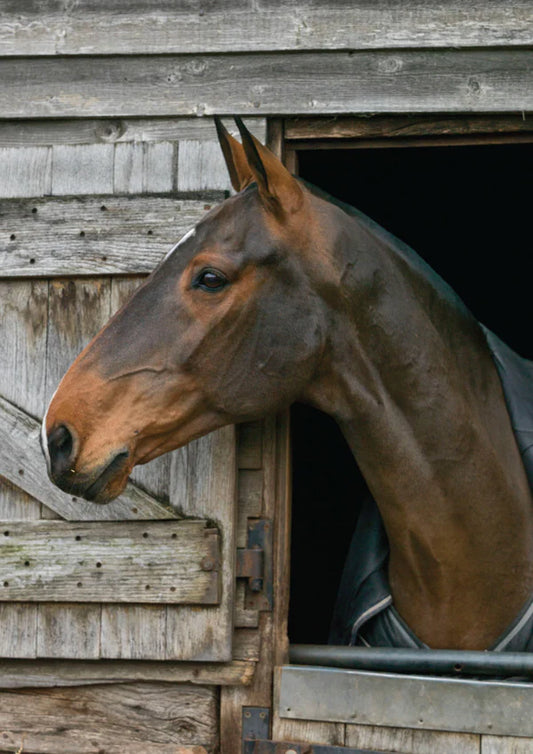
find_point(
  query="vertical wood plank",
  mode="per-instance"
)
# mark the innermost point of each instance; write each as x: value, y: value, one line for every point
x: 24, y: 316
x: 133, y: 632
x: 26, y: 171
x: 201, y: 166
x: 144, y: 167
x: 68, y: 630
x: 82, y: 169
x: 207, y: 489
x: 18, y: 630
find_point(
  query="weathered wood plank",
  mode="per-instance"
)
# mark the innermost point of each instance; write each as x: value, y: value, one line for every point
x: 203, y: 483
x: 340, y: 82
x: 134, y: 633
x: 505, y: 745
x: 76, y: 237
x: 53, y: 673
x: 411, y: 741
x: 152, y: 562
x: 82, y: 169
x: 144, y: 167
x: 201, y: 166
x: 138, y: 718
x: 23, y: 452
x: 250, y: 445
x: 25, y: 172
x: 67, y: 631
x: 400, y: 126
x: 273, y: 25
x: 18, y: 634
x: 27, y: 133
x: 23, y: 317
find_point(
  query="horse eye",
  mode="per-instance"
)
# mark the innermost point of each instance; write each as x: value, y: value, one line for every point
x: 211, y: 280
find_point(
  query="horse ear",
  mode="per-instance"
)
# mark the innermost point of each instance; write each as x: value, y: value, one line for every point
x: 235, y: 157
x: 279, y: 190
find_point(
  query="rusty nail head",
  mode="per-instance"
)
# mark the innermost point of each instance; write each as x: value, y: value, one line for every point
x: 207, y: 564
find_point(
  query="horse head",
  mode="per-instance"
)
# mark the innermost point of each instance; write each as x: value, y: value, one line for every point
x: 228, y: 328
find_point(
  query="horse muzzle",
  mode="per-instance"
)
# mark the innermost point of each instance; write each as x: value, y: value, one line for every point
x: 100, y: 485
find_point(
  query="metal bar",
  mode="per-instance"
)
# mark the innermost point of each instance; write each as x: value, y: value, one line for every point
x: 439, y: 661
x: 499, y: 708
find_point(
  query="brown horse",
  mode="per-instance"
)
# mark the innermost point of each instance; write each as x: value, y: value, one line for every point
x: 280, y: 295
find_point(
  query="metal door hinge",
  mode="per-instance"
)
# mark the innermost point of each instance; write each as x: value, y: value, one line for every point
x: 254, y: 563
x: 255, y: 725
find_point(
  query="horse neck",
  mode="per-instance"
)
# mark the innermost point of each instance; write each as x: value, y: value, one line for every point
x: 409, y: 378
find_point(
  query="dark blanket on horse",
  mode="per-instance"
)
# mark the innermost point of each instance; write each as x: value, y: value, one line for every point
x: 364, y: 612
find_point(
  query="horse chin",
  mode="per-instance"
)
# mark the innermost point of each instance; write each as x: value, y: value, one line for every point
x: 104, y: 492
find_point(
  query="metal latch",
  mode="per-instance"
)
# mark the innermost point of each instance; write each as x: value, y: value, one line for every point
x: 254, y: 563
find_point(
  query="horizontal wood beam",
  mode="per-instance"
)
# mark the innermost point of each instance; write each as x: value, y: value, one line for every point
x: 53, y: 673
x: 268, y: 84
x: 23, y: 464
x: 404, y: 127
x: 55, y: 237
x: 42, y: 29
x: 30, y: 133
x: 170, y: 562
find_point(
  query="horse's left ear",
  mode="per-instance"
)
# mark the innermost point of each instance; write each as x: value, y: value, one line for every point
x: 278, y: 189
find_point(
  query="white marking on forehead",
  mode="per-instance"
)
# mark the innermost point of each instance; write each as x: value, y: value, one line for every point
x: 190, y: 233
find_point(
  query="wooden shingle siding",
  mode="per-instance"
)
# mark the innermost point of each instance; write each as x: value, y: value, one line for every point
x: 43, y: 28
x: 268, y: 83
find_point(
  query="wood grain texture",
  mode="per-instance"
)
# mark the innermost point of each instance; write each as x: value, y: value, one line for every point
x: 23, y: 453
x: 271, y: 25
x: 76, y: 237
x: 505, y: 745
x: 82, y: 169
x: 201, y: 166
x: 153, y: 562
x: 67, y: 630
x: 268, y: 83
x: 401, y: 126
x: 140, y: 718
x: 203, y: 482
x: 25, y: 172
x: 409, y: 741
x: 57, y: 673
x: 28, y: 133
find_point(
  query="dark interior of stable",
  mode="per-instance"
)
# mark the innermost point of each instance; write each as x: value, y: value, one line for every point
x: 467, y: 211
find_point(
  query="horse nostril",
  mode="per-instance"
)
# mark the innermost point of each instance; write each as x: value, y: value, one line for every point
x: 60, y: 446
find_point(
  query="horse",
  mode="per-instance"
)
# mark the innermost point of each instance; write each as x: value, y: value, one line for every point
x: 281, y: 294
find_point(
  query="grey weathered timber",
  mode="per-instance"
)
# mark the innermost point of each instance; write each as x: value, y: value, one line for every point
x: 268, y: 83
x: 102, y: 235
x: 137, y: 718
x: 420, y: 702
x: 410, y: 741
x: 51, y: 673
x: 32, y: 133
x: 22, y: 462
x: 272, y: 25
x: 143, y: 562
x: 204, y: 477
x: 28, y: 169
x: 507, y: 745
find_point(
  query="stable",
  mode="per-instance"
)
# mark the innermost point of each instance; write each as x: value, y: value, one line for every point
x: 162, y: 621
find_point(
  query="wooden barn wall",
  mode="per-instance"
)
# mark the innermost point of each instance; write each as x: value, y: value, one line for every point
x: 107, y: 155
